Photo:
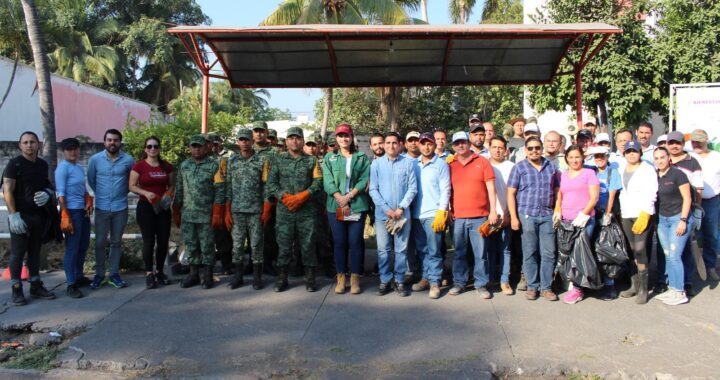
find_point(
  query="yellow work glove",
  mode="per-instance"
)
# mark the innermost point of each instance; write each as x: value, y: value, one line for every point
x: 641, y: 223
x: 449, y: 159
x: 438, y: 224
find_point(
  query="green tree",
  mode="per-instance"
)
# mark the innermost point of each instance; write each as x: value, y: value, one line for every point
x: 460, y: 10
x: 358, y: 107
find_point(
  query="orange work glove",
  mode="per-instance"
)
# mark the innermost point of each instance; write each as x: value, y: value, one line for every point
x: 298, y: 200
x: 228, y: 216
x: 266, y: 213
x: 286, y: 198
x: 89, y: 204
x: 218, y: 212
x: 177, y: 218
x: 66, y: 222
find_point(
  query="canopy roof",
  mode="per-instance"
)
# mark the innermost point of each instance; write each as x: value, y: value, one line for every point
x: 380, y: 55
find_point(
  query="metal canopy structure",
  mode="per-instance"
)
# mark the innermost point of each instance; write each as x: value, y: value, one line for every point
x: 300, y: 56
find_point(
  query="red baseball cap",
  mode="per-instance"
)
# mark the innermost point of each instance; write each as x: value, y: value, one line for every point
x: 344, y: 128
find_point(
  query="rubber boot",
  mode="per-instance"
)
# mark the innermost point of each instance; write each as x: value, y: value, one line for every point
x: 37, y: 290
x: 281, y: 284
x: 237, y: 279
x: 633, y: 289
x: 257, y: 276
x: 642, y: 294
x: 340, y: 286
x: 192, y: 279
x: 310, y: 279
x: 18, y: 298
x: 207, y: 277
x: 355, y: 283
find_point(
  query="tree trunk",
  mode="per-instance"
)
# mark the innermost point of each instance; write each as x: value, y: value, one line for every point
x: 42, y: 73
x: 12, y: 79
x: 603, y: 116
x: 423, y: 6
x: 389, y: 107
x: 326, y: 111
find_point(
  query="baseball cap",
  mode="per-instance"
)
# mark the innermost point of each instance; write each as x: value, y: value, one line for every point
x: 474, y: 117
x: 412, y: 134
x: 312, y: 139
x: 427, y: 136
x: 699, y: 135
x: 596, y: 149
x: 295, y: 131
x: 585, y: 134
x: 272, y: 133
x: 531, y: 127
x: 244, y: 133
x: 214, y: 137
x: 344, y: 128
x: 70, y: 143
x: 198, y: 140
x: 259, y: 125
x: 331, y: 140
x: 281, y: 141
x: 662, y: 138
x: 477, y: 127
x: 676, y: 136
x: 632, y: 145
x: 458, y: 136
x: 602, y: 137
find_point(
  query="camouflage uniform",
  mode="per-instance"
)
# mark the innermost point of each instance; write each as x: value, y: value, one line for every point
x: 222, y: 238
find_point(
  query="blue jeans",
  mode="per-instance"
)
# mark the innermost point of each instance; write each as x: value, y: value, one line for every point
x: 710, y: 223
x: 388, y: 244
x: 499, y: 251
x: 427, y: 243
x: 347, y: 236
x: 76, y: 245
x: 112, y: 222
x: 465, y: 230
x: 538, y: 246
x: 673, y: 247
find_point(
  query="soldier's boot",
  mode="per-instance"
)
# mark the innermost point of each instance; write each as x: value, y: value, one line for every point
x: 281, y: 284
x: 310, y: 279
x: 257, y: 276
x: 237, y: 279
x: 192, y: 279
x: 642, y: 294
x: 37, y: 290
x: 206, y: 281
x: 633, y: 289
x: 18, y: 298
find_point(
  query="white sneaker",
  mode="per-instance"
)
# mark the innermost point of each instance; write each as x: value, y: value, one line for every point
x: 664, y: 295
x: 676, y: 298
x: 712, y: 275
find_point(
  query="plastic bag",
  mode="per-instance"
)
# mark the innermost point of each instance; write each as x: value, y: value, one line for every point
x: 611, y: 251
x: 576, y: 260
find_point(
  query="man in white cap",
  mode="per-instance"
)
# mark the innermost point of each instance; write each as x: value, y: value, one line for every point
x: 412, y: 144
x: 710, y: 162
x: 661, y: 141
x: 531, y: 130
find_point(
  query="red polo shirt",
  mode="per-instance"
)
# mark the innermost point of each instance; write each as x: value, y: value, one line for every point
x: 469, y: 191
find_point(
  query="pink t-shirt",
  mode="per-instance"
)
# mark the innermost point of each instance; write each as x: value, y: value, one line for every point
x: 576, y: 192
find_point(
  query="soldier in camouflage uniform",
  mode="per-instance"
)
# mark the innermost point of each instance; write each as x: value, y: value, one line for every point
x: 281, y: 146
x: 222, y: 238
x: 197, y: 209
x: 272, y: 137
x: 263, y: 149
x: 294, y: 178
x: 247, y: 206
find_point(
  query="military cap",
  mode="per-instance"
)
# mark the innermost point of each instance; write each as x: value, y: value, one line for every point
x: 198, y: 139
x: 281, y: 141
x: 312, y: 139
x: 214, y: 137
x: 272, y: 133
x: 259, y: 125
x: 244, y: 133
x: 295, y: 131
x: 331, y: 140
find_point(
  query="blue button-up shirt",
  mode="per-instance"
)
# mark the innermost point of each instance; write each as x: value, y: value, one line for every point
x: 434, y: 189
x: 109, y: 180
x: 70, y: 183
x: 392, y: 185
x: 535, y: 188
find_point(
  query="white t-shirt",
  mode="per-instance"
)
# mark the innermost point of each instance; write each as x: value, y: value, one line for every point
x: 502, y: 173
x: 348, y: 173
x: 710, y: 173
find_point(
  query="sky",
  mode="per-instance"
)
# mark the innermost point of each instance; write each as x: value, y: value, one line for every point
x: 251, y: 12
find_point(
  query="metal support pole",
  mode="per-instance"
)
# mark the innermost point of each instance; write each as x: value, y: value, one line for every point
x: 205, y: 97
x: 578, y: 95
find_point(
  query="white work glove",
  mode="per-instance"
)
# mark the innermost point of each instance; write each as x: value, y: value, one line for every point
x: 557, y: 217
x: 17, y: 225
x: 606, y: 219
x: 389, y: 225
x: 42, y: 197
x: 398, y: 225
x: 581, y: 220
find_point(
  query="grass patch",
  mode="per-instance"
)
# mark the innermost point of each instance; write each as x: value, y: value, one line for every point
x: 37, y: 358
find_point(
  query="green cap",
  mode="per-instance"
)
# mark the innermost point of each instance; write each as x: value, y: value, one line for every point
x: 214, y: 137
x: 331, y: 140
x: 313, y: 139
x: 272, y: 133
x: 259, y: 125
x: 295, y: 131
x: 198, y: 140
x: 281, y: 141
x: 244, y: 133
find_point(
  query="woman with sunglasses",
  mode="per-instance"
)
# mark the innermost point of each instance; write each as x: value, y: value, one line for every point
x: 153, y: 180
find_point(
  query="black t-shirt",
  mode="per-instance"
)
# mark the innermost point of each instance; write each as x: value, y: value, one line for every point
x: 669, y: 197
x: 30, y: 177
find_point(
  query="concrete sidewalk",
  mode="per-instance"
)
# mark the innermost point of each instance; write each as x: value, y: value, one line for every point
x: 174, y: 332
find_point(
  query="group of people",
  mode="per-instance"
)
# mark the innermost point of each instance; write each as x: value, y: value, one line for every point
x: 496, y: 198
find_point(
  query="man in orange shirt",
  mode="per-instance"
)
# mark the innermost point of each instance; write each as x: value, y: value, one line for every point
x: 473, y: 202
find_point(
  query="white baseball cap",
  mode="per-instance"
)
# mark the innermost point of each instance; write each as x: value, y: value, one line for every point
x: 602, y: 137
x: 458, y: 136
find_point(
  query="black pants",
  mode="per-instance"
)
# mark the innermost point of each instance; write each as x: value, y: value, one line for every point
x: 29, y: 244
x: 155, y: 228
x: 638, y: 243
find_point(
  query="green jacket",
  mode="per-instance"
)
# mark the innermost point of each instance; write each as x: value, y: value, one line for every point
x: 333, y: 167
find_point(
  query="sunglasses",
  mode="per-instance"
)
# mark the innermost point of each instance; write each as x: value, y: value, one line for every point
x: 151, y: 146
x: 532, y: 148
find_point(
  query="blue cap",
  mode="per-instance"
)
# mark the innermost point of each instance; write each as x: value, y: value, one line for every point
x: 632, y: 145
x: 458, y: 136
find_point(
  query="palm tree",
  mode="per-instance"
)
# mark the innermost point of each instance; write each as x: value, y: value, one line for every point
x: 423, y: 6
x: 340, y: 12
x: 460, y: 10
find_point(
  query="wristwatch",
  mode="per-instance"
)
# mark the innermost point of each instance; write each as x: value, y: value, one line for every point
x: 683, y: 220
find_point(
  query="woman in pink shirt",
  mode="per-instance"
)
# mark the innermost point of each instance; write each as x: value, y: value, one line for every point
x: 579, y: 192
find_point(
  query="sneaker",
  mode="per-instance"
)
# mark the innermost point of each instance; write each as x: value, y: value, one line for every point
x: 83, y: 282
x: 531, y: 294
x: 712, y: 275
x: 116, y: 281
x: 506, y: 289
x: 549, y: 295
x: 675, y: 298
x: 38, y: 290
x: 383, y: 288
x: 456, y: 290
x: 162, y: 279
x: 483, y: 292
x: 150, y: 281
x: 434, y: 292
x: 522, y: 284
x: 664, y: 295
x: 401, y: 290
x: 573, y: 296
x: 73, y: 291
x: 97, y: 282
x: 421, y: 286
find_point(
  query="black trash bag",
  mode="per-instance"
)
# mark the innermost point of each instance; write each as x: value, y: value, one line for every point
x: 576, y: 261
x: 611, y: 251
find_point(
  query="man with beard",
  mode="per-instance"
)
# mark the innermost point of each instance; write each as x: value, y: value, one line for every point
x: 377, y: 140
x: 477, y: 136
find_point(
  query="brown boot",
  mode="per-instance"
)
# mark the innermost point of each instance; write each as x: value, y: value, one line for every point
x: 355, y: 283
x: 340, y: 286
